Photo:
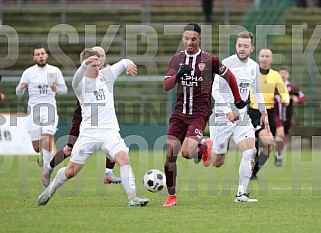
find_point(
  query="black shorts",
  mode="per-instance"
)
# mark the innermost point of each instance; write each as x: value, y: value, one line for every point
x: 255, y: 116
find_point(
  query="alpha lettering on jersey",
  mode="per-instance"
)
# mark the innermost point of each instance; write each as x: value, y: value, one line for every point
x: 191, y: 81
x: 43, y: 89
x: 100, y: 94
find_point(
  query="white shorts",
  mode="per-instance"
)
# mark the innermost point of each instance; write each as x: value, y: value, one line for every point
x: 92, y: 139
x: 221, y: 130
x: 42, y: 123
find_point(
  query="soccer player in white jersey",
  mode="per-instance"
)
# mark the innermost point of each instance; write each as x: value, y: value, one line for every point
x: 65, y: 152
x: 43, y: 82
x: 99, y: 127
x: 228, y: 121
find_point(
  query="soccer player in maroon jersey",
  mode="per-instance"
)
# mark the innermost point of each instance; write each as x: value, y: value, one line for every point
x: 65, y: 152
x: 283, y: 114
x: 193, y: 71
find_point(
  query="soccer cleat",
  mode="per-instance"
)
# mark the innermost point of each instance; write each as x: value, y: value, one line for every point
x: 197, y: 159
x: 254, y: 177
x: 40, y: 160
x: 244, y: 197
x: 46, y: 175
x: 278, y: 161
x: 110, y: 178
x: 207, y: 155
x: 136, y: 201
x: 44, y: 197
x: 170, y: 201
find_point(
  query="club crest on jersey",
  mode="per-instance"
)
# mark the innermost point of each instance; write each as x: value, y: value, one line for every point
x: 201, y: 66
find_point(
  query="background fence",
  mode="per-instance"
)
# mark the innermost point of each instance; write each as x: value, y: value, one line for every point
x: 149, y: 33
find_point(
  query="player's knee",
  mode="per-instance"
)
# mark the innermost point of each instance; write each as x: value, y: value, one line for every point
x: 186, y: 154
x: 36, y: 149
x: 218, y: 160
x: 69, y: 173
x: 46, y: 142
x: 217, y: 164
x: 170, y: 159
x: 281, y: 135
x: 122, y: 158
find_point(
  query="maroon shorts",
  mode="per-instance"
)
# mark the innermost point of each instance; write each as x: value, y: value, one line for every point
x: 75, y: 124
x: 182, y: 127
x: 285, y: 124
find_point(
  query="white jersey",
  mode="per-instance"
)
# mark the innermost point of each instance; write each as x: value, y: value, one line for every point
x: 221, y: 129
x: 39, y: 80
x: 247, y: 76
x: 96, y: 96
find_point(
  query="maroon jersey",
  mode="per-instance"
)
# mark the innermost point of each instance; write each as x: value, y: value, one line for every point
x: 282, y: 113
x: 194, y: 90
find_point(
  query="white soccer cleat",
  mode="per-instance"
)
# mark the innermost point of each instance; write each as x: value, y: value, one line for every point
x: 278, y: 161
x: 244, y: 197
x: 44, y: 197
x: 136, y: 201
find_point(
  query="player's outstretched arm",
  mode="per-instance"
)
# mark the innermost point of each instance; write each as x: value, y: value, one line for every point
x: 113, y: 71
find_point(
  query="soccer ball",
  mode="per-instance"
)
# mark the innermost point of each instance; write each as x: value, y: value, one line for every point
x: 154, y: 180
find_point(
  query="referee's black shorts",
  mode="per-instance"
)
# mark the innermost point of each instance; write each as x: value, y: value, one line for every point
x: 255, y: 116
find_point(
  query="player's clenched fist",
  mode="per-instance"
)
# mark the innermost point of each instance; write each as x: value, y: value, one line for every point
x: 183, y: 69
x: 131, y: 69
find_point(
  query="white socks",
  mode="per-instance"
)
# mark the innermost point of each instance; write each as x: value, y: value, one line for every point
x: 47, y: 156
x: 126, y: 175
x: 128, y: 180
x: 59, y: 180
x: 108, y: 170
x: 245, y: 171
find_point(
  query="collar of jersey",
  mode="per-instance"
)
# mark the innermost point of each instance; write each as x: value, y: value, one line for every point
x: 264, y: 71
x: 194, y: 55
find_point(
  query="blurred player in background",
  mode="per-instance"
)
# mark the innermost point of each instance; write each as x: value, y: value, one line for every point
x: 65, y: 152
x: 193, y: 71
x: 271, y: 82
x: 43, y: 81
x: 1, y: 94
x: 229, y: 122
x: 283, y: 114
x: 99, y: 127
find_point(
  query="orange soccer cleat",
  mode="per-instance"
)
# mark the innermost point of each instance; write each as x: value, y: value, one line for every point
x: 207, y: 155
x: 170, y: 201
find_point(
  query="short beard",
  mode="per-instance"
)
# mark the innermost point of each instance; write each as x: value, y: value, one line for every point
x: 242, y: 59
x: 42, y: 65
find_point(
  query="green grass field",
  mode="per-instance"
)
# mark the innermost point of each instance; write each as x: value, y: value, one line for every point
x: 289, y: 198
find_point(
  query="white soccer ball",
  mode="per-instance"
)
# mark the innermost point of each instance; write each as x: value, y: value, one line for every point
x: 154, y: 180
